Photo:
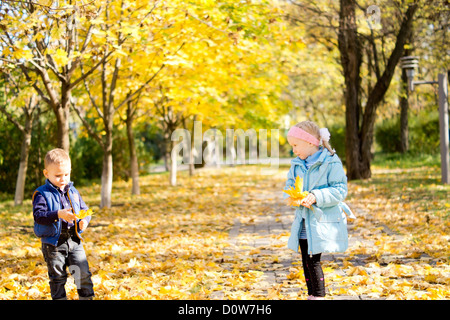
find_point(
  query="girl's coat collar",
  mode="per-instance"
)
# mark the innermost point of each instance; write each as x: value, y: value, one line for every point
x: 325, y: 156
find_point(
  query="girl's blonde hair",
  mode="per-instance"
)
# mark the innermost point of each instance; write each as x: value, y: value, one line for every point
x: 314, y: 130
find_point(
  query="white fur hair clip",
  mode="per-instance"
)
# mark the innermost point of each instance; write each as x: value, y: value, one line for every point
x: 324, y: 135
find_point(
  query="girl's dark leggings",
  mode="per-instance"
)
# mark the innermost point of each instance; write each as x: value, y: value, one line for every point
x: 313, y: 271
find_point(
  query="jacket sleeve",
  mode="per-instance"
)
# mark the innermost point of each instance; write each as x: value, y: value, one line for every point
x: 290, y: 182
x: 336, y: 190
x: 40, y: 211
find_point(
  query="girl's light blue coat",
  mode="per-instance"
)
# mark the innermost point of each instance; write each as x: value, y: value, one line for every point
x: 326, y: 223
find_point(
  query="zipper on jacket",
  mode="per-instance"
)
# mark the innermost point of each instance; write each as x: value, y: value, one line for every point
x: 73, y: 210
x: 307, y: 176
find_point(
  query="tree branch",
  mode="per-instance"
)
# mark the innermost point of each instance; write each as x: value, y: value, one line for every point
x: 35, y: 86
x: 90, y: 95
x: 380, y: 88
x: 128, y: 98
x: 16, y: 123
x: 84, y: 76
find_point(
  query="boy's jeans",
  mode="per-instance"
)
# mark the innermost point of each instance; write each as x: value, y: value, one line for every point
x: 68, y: 254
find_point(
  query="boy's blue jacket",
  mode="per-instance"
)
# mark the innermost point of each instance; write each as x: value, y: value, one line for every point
x: 47, y: 225
x: 326, y: 223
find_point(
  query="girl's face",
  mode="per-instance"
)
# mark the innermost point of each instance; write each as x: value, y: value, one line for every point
x: 301, y: 148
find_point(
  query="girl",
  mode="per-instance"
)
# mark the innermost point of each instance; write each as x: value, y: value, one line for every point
x: 319, y: 224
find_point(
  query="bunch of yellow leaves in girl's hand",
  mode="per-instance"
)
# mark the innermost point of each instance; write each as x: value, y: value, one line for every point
x: 296, y: 195
x: 84, y: 213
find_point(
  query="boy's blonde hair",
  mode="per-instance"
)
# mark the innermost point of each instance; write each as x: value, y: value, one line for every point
x: 56, y: 156
x: 314, y: 130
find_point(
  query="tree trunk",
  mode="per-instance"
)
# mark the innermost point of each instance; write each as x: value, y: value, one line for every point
x: 108, y: 122
x: 351, y: 59
x: 404, y: 102
x: 107, y: 171
x: 107, y: 178
x: 173, y: 161
x: 62, y: 127
x: 381, y: 87
x: 37, y: 171
x: 404, y: 107
x: 134, y: 165
x: 165, y: 146
x: 26, y: 129
x: 23, y: 166
x: 193, y: 150
x: 61, y: 108
x: 62, y: 112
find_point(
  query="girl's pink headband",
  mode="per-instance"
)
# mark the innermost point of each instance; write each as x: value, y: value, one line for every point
x: 298, y: 133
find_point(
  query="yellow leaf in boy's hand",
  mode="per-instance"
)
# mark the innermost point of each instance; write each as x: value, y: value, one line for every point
x: 84, y: 213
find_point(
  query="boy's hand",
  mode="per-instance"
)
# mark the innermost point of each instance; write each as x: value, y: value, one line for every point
x: 67, y: 215
x: 83, y: 225
x: 308, y: 201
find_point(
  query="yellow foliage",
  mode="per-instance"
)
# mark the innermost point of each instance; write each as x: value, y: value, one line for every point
x: 296, y: 194
x: 172, y: 243
x: 60, y: 57
x: 84, y: 213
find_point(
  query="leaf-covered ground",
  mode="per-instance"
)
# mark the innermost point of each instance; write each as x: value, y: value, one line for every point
x: 174, y: 242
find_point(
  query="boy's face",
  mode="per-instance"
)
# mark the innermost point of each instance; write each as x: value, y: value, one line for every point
x: 58, y: 174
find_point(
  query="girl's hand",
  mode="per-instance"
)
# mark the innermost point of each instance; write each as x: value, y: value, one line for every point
x: 292, y: 202
x: 308, y: 200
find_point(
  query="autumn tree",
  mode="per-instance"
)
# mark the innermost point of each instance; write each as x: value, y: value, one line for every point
x: 428, y: 39
x: 370, y: 43
x: 315, y: 80
x: 227, y: 70
x: 359, y: 123
x: 130, y: 117
x: 247, y: 85
x: 20, y: 105
x: 109, y: 92
x: 48, y: 41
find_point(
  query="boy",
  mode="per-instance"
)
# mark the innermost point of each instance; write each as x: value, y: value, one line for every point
x: 54, y: 207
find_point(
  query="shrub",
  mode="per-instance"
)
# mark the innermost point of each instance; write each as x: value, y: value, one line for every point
x: 337, y: 140
x: 423, y: 134
x: 387, y: 135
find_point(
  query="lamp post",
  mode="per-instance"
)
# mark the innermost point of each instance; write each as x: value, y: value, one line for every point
x: 410, y: 63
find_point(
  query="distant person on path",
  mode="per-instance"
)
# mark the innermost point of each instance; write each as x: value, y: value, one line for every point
x: 54, y: 207
x: 320, y: 224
